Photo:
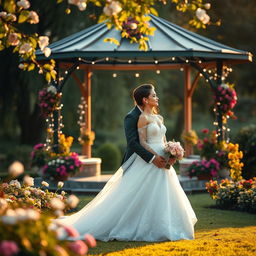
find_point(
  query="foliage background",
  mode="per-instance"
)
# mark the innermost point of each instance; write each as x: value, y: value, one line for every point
x: 21, y: 125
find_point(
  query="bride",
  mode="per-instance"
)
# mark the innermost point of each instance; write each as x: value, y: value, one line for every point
x: 141, y: 202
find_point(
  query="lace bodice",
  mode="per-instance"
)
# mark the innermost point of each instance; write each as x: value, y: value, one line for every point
x: 155, y: 133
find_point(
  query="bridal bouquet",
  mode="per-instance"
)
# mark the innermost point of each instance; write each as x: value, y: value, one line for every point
x: 174, y: 150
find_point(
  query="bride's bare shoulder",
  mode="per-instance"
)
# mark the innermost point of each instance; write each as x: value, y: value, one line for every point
x: 143, y: 120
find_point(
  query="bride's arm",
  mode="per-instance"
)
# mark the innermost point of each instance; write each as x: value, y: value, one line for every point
x: 142, y: 130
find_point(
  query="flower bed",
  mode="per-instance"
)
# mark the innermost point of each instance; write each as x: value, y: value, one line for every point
x: 230, y: 194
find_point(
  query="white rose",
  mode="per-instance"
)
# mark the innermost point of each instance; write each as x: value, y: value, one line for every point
x: 107, y: 11
x: 27, y: 193
x: 202, y: 16
x: 13, y: 39
x: 25, y: 48
x: 33, y: 17
x: 82, y: 5
x: 21, y: 214
x: 206, y: 19
x: 33, y: 214
x: 21, y: 66
x: 58, y: 213
x: 24, y: 4
x: 11, y: 17
x: 15, y: 183
x: 225, y: 86
x: 47, y: 52
x: 3, y: 204
x: 52, y: 89
x: 57, y: 204
x: 63, y: 193
x: 3, y: 14
x: 60, y: 184
x: 28, y: 181
x: 44, y: 183
x: 10, y: 217
x: 207, y: 6
x: 16, y: 169
x: 43, y: 42
x: 133, y: 25
x: 116, y: 8
x: 72, y: 201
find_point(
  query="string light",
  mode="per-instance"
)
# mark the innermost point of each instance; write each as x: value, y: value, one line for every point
x: 129, y: 61
x: 137, y: 75
x: 181, y: 69
x: 107, y: 59
x: 158, y: 71
x: 77, y: 67
x: 156, y: 61
x: 187, y: 61
x: 173, y: 58
x: 93, y: 62
x: 114, y: 75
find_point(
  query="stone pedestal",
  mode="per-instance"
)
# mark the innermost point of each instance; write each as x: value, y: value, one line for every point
x: 185, y: 163
x: 90, y: 167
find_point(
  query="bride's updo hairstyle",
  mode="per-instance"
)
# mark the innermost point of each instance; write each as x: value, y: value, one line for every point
x: 142, y: 91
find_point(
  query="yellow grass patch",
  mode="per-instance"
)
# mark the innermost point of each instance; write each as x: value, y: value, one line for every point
x: 218, y: 242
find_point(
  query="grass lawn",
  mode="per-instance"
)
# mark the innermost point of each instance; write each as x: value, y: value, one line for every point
x: 218, y: 232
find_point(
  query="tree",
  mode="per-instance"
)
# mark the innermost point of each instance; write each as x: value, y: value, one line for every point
x: 128, y: 16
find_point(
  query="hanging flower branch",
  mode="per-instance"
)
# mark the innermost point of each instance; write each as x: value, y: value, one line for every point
x: 226, y: 99
x: 48, y: 100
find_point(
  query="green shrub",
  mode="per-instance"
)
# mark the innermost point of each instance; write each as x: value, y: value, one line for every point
x: 246, y: 138
x: 110, y: 155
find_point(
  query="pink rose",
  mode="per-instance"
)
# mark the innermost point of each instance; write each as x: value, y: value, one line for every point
x: 8, y: 248
x: 78, y: 247
x: 72, y: 232
x: 90, y: 240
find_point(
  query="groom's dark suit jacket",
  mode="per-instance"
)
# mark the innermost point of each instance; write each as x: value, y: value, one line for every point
x: 132, y: 137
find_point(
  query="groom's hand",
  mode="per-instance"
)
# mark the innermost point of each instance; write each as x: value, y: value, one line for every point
x: 159, y: 161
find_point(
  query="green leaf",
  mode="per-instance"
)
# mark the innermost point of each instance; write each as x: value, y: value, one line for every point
x: 48, y: 77
x: 31, y: 67
x: 112, y: 40
x: 33, y: 41
x: 23, y: 16
x: 47, y: 66
x: 153, y: 11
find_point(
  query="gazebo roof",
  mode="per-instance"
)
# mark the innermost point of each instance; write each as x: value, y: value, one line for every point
x: 169, y: 41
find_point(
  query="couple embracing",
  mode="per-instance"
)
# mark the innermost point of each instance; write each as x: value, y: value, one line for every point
x: 143, y: 200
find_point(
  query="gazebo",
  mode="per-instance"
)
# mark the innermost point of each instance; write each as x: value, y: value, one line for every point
x: 171, y: 47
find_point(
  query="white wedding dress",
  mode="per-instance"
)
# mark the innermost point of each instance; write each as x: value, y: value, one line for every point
x: 139, y: 203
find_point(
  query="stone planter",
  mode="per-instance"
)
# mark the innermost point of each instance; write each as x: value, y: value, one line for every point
x: 185, y: 163
x: 90, y: 167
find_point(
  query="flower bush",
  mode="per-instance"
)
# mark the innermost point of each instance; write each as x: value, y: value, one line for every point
x: 190, y: 137
x: 204, y: 168
x: 226, y: 99
x: 130, y: 29
x: 48, y: 100
x: 230, y: 194
x: 29, y: 232
x: 208, y: 144
x: 17, y: 194
x: 62, y: 167
x: 38, y: 155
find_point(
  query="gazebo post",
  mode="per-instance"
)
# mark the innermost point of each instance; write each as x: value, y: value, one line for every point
x: 87, y: 79
x: 220, y: 132
x: 187, y: 108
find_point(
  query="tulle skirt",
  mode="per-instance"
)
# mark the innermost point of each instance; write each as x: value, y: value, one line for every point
x: 139, y: 203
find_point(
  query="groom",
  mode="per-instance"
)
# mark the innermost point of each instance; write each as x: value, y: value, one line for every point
x: 131, y: 130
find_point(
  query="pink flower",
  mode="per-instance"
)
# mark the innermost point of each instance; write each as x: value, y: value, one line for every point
x: 25, y: 48
x: 205, y: 130
x: 90, y: 240
x: 13, y: 39
x: 33, y: 17
x: 71, y: 231
x: 78, y: 247
x: 8, y: 248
